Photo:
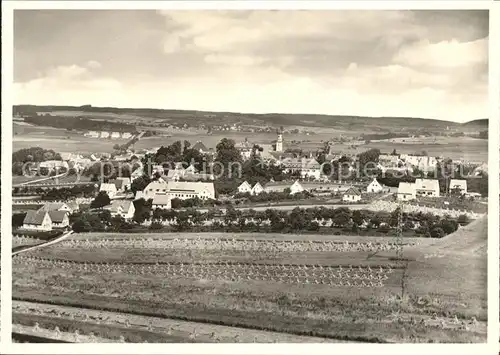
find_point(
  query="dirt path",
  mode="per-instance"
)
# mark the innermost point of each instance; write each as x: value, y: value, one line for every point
x: 191, y: 331
x: 50, y: 242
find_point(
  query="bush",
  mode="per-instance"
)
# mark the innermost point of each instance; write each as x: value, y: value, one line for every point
x: 437, y: 232
x: 156, y: 225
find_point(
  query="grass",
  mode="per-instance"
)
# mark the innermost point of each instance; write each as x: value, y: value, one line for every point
x: 319, y: 310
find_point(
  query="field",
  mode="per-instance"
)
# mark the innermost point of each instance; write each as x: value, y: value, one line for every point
x: 262, y: 288
x: 63, y: 141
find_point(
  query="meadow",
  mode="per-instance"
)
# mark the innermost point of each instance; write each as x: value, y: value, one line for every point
x: 296, y: 285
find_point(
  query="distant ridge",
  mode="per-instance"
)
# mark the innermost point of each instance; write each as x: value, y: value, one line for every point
x: 276, y: 119
x: 482, y: 122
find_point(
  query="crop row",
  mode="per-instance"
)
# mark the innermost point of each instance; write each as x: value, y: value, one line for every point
x: 234, y: 244
x: 300, y: 274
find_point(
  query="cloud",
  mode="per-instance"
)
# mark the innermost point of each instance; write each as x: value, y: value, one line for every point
x: 93, y: 64
x: 404, y: 63
x: 70, y: 82
x: 444, y: 54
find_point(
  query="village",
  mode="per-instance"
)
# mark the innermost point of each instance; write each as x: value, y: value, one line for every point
x: 304, y: 176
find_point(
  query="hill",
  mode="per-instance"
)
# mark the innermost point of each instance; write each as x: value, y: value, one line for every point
x: 146, y: 116
x: 480, y: 123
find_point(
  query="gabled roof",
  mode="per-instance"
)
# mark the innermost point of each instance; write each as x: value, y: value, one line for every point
x: 52, y: 206
x: 257, y: 186
x: 57, y: 216
x: 34, y: 217
x: 353, y: 191
x: 245, y: 184
x: 200, y: 146
x: 121, y: 182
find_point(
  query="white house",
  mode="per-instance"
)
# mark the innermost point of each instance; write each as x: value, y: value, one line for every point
x: 115, y: 135
x: 406, y: 191
x: 37, y: 221
x: 374, y: 186
x: 109, y: 188
x: 308, y: 168
x: 122, y: 208
x: 244, y: 188
x: 352, y: 195
x: 186, y: 189
x: 59, y: 219
x: 296, y: 188
x: 54, y: 164
x: 427, y: 187
x: 127, y: 135
x: 104, y: 134
x: 458, y: 184
x: 162, y: 201
x: 257, y: 189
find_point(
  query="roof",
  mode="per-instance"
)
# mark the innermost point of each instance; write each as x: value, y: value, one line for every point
x: 257, y: 186
x: 139, y: 195
x: 427, y: 184
x: 406, y: 188
x: 300, y: 163
x: 34, y: 217
x: 107, y: 187
x: 52, y: 206
x: 374, y: 181
x: 159, y: 184
x: 200, y: 146
x: 57, y: 216
x: 161, y: 199
x: 121, y: 182
x: 353, y: 191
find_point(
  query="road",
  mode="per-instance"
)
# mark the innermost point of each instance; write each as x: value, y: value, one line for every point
x: 39, y: 180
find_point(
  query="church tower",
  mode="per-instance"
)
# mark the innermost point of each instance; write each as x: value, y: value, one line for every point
x: 279, y: 142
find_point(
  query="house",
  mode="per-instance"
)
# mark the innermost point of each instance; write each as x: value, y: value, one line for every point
x: 307, y: 167
x: 162, y: 201
x: 55, y: 206
x: 122, y: 184
x: 59, y: 219
x: 153, y: 188
x: 257, y: 189
x: 104, y: 134
x: 122, y: 208
x: 37, y: 221
x: 427, y: 187
x: 374, y: 186
x: 406, y: 191
x: 244, y: 188
x: 186, y: 190
x: 296, y: 187
x: 200, y: 147
x: 127, y: 135
x: 352, y: 195
x: 115, y: 135
x: 109, y: 188
x: 458, y: 184
x: 92, y: 134
x: 51, y: 165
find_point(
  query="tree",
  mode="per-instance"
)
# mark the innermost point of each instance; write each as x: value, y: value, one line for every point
x: 437, y: 232
x: 102, y: 199
x: 140, y: 183
x: 227, y: 155
x: 394, y: 152
x: 368, y: 160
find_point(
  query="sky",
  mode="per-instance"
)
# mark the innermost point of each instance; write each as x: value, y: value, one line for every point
x: 429, y: 64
